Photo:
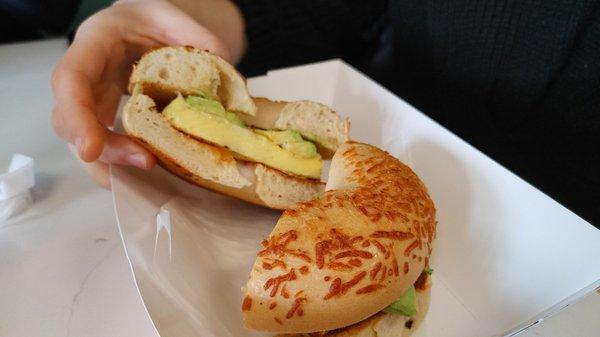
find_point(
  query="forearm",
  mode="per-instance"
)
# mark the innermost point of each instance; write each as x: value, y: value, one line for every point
x: 223, y: 18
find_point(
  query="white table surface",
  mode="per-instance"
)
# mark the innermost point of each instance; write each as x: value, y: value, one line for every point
x: 63, y: 271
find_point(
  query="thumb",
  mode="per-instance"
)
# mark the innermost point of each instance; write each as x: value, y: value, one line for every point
x: 174, y: 27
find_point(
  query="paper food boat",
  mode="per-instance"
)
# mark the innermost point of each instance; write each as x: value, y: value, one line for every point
x: 506, y: 255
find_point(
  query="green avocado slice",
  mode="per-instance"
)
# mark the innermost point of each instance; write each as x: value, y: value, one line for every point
x: 406, y: 304
x: 291, y: 141
x: 213, y: 107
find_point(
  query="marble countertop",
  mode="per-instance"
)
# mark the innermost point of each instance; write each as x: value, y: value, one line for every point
x: 63, y: 271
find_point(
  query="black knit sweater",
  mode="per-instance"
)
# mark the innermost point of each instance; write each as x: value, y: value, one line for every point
x: 520, y: 80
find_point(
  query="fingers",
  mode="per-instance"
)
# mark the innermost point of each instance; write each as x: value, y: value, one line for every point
x: 88, y: 84
x: 108, y: 103
x: 120, y: 150
x: 91, y: 77
x: 97, y: 170
x: 174, y: 27
x: 73, y: 118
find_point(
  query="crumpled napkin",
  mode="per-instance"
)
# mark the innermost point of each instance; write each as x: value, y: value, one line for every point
x: 15, y: 195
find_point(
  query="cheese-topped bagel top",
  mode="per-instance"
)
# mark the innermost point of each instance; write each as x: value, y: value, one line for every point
x: 346, y: 255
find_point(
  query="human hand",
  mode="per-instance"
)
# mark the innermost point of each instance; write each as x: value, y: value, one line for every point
x: 93, y: 74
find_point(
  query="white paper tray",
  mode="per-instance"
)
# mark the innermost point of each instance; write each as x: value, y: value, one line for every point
x: 506, y: 254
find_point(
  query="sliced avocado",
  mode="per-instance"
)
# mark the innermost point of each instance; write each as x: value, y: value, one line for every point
x: 406, y: 304
x: 291, y: 141
x: 213, y: 107
x: 216, y: 129
x: 280, y: 137
x: 302, y: 149
x: 318, y: 140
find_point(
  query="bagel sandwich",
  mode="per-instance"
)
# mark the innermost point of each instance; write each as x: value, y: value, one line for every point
x: 351, y: 262
x: 193, y: 111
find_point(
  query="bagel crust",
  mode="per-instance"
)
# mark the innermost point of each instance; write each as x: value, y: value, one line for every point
x: 191, y: 71
x: 163, y: 73
x: 341, y: 258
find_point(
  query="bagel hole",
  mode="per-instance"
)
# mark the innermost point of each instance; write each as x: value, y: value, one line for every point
x: 223, y: 89
x: 161, y: 96
x: 163, y: 73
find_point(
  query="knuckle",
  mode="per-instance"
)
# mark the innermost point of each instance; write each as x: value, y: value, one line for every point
x: 83, y: 27
x: 93, y: 21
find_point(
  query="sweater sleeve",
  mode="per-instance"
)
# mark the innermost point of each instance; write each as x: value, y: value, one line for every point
x: 40, y: 17
x: 285, y: 33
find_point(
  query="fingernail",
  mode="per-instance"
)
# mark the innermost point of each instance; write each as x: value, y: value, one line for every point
x: 79, y: 145
x: 137, y: 160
